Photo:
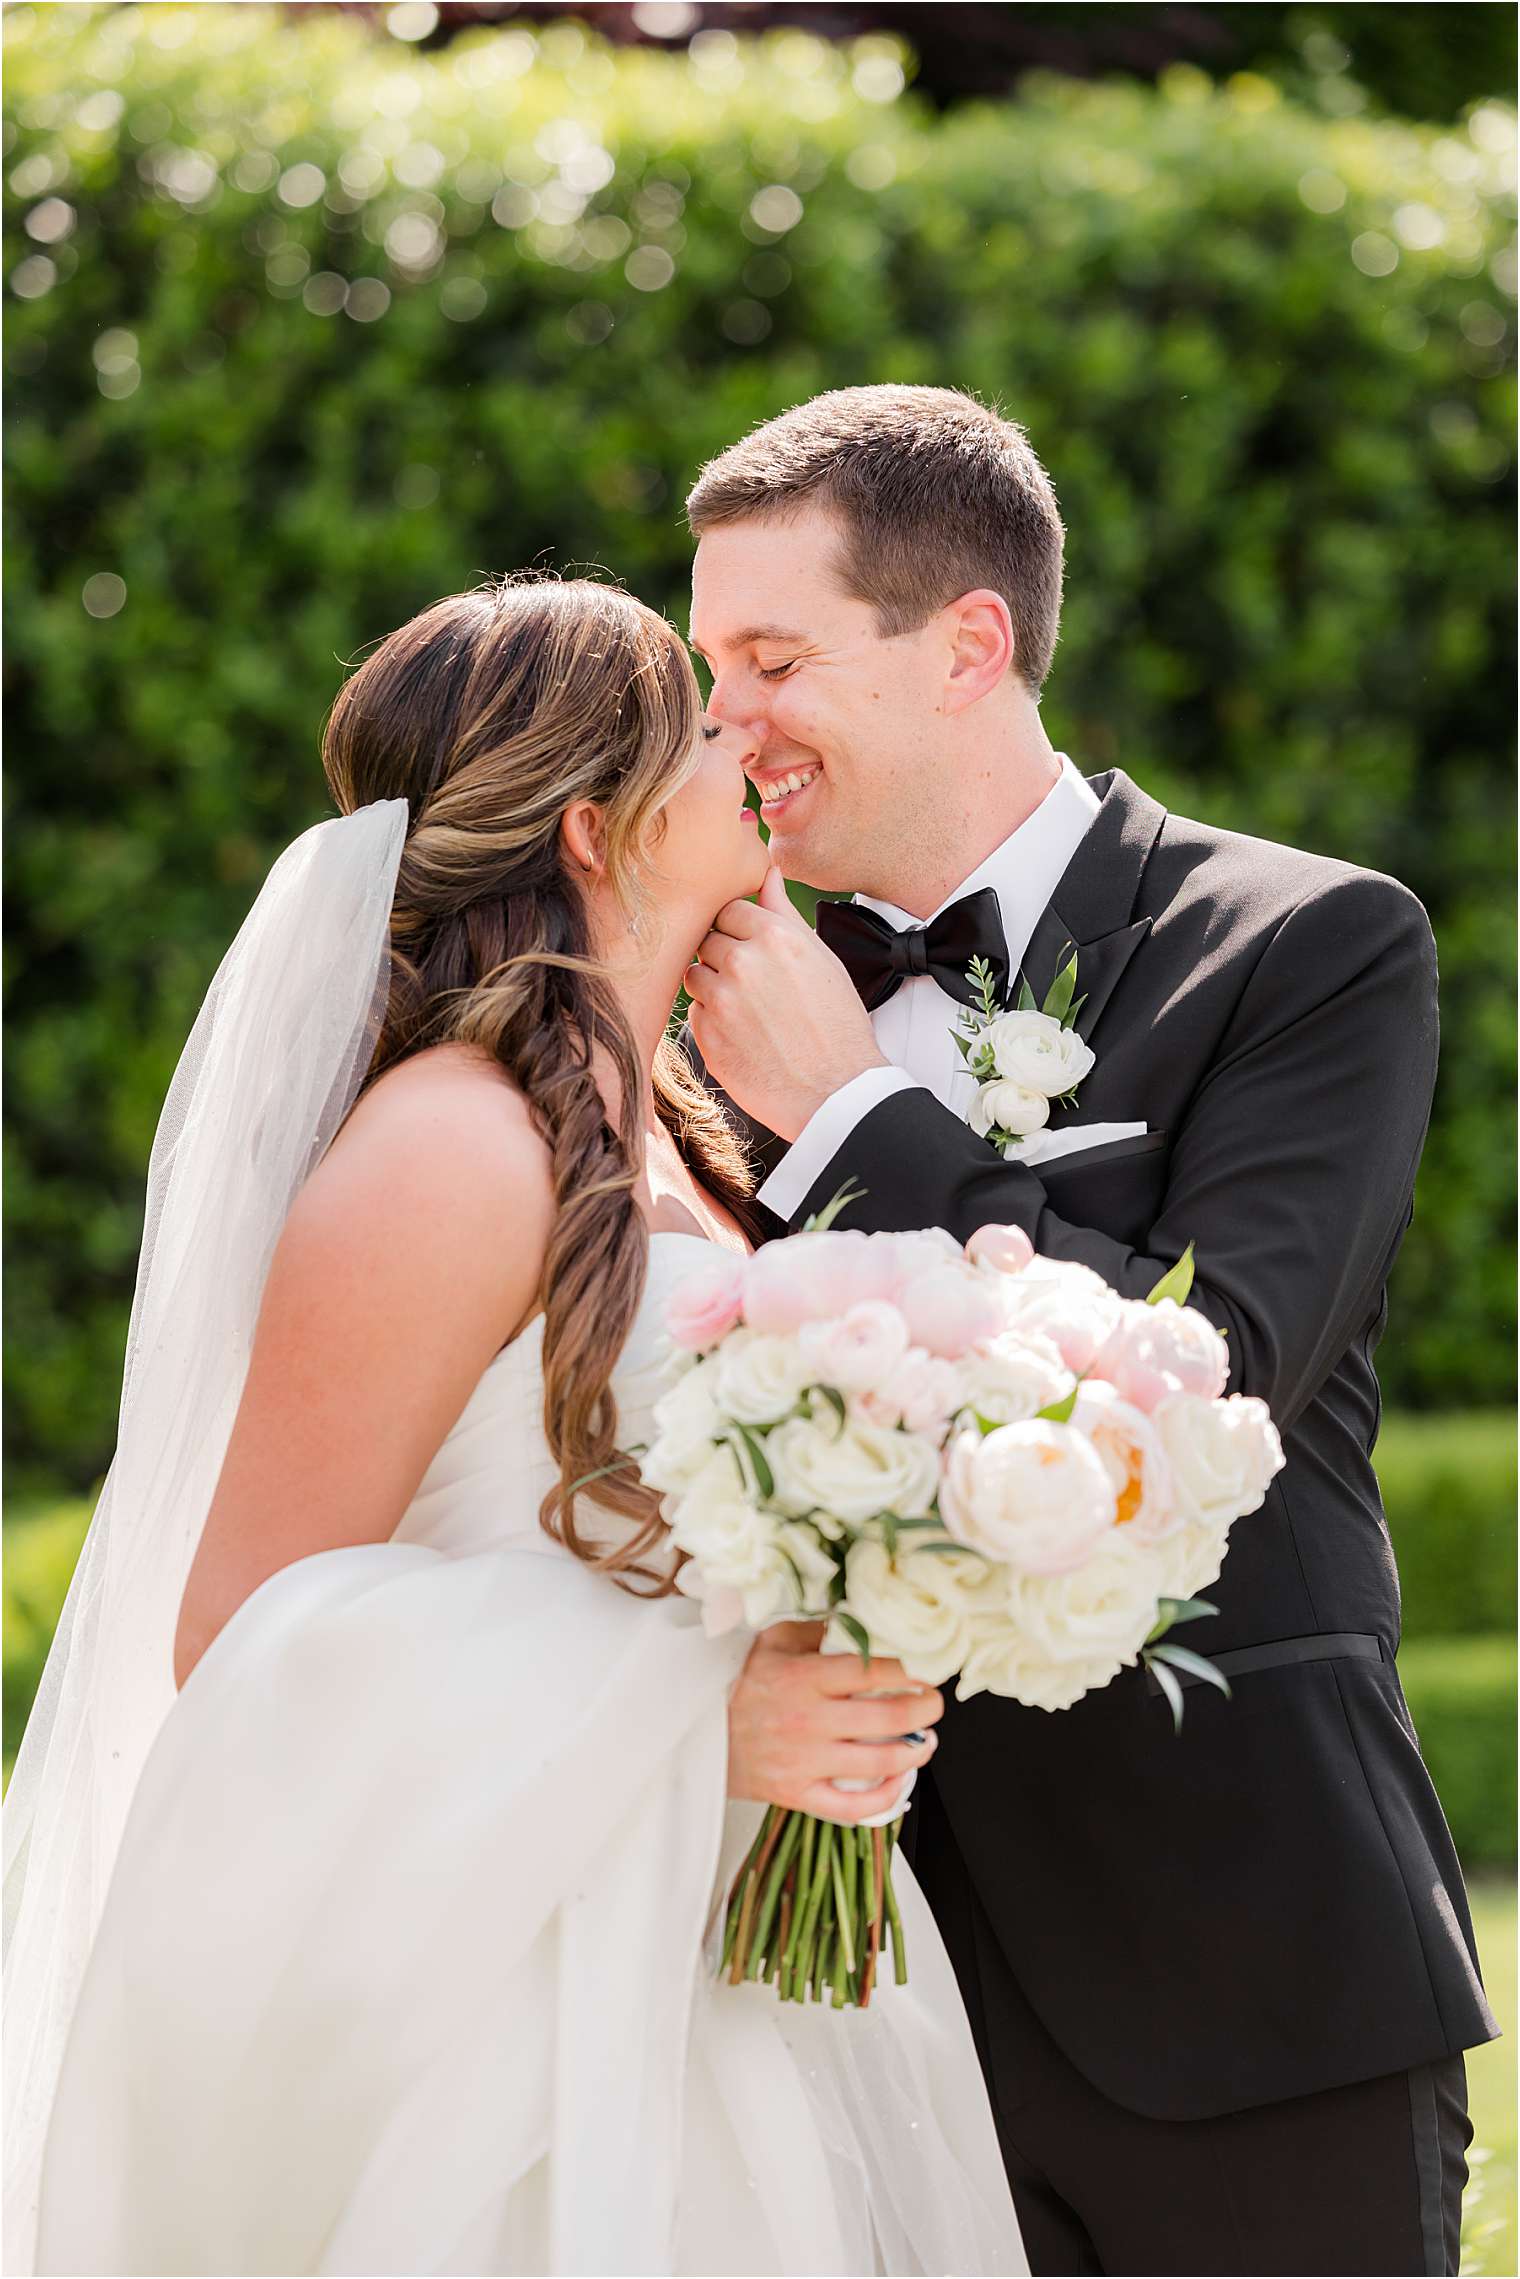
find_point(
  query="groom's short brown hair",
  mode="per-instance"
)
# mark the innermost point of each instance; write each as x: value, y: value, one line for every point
x: 937, y: 495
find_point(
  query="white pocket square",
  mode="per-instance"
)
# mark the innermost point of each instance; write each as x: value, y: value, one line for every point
x: 1070, y: 1140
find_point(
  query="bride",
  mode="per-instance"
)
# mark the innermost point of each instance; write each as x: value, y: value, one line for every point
x: 361, y: 1856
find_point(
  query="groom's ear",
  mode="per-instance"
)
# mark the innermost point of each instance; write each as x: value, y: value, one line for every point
x: 981, y: 647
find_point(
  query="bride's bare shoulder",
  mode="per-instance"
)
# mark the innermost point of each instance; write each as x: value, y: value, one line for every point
x: 451, y: 1099
x: 446, y: 1134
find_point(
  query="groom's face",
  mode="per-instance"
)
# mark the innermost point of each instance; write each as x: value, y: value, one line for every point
x: 844, y: 724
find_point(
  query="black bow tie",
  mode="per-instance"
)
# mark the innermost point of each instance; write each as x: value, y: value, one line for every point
x: 879, y: 960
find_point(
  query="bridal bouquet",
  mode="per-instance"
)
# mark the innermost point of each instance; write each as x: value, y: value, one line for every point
x: 979, y: 1461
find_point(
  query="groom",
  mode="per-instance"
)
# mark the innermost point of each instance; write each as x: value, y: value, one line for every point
x: 1221, y: 1983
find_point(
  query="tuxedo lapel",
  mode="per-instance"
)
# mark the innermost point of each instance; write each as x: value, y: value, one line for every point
x: 1091, y: 910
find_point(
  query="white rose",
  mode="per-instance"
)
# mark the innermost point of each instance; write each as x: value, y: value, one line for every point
x: 1013, y: 1378
x: 843, y: 1474
x: 1224, y: 1455
x: 1192, y: 1557
x: 717, y: 1522
x: 797, y: 1558
x: 687, y: 1423
x: 1132, y: 1455
x: 1033, y: 1050
x: 1033, y: 1495
x: 1009, y: 1107
x: 760, y: 1378
x: 1002, y: 1662
x: 857, y: 1351
x: 912, y: 1606
x: 1061, y: 1636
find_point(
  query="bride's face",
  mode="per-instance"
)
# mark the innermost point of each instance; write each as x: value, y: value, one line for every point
x: 709, y: 851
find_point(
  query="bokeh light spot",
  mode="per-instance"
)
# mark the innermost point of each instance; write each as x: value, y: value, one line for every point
x: 104, y: 594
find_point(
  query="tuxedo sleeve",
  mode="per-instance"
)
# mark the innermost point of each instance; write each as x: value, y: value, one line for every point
x: 1291, y: 1173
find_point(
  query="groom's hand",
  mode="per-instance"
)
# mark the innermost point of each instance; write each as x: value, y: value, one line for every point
x: 798, y: 1720
x: 774, y: 1014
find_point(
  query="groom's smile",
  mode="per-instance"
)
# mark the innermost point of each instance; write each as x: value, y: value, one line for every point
x: 779, y: 794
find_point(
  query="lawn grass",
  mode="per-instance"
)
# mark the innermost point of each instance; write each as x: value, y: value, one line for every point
x: 1489, y: 2242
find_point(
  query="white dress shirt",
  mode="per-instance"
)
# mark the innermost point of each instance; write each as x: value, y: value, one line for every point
x: 915, y: 1027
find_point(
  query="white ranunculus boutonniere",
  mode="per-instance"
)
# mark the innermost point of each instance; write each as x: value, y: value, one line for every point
x: 1024, y: 1058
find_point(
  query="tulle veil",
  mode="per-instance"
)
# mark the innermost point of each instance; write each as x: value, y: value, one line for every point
x: 273, y: 1064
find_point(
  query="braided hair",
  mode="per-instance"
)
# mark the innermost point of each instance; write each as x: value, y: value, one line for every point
x: 490, y: 714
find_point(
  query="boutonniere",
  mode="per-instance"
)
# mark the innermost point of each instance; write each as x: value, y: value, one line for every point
x: 1023, y: 1058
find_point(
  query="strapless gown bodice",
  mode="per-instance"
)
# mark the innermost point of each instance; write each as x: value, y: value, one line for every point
x: 406, y: 1965
x: 484, y: 1488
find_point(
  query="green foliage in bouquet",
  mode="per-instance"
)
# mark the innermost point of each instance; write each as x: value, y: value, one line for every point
x: 305, y: 330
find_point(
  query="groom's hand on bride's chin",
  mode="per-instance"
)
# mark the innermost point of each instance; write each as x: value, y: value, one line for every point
x: 799, y: 1720
x: 774, y: 1014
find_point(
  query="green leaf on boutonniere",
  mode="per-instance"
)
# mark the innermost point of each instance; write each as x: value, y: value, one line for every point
x: 982, y: 979
x: 858, y: 1637
x: 1025, y: 1002
x: 765, y: 1479
x: 1061, y: 992
x: 1175, y: 1283
x: 965, y: 1045
x: 1059, y: 1412
x: 821, y: 1221
x: 887, y: 1522
x: 1069, y: 1019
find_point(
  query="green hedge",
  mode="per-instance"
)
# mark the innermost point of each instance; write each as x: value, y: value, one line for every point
x: 1461, y: 1694
x: 306, y: 329
x: 41, y: 1548
x: 1449, y: 1491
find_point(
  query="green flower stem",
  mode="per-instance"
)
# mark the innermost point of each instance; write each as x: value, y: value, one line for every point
x: 742, y: 1930
x: 811, y: 1910
x: 778, y: 1868
x: 856, y: 1957
x: 846, y: 1955
x: 838, y: 1974
x: 775, y: 1969
x: 899, y: 1948
x: 824, y: 1964
x: 792, y: 1952
x: 805, y: 1934
x: 736, y: 1889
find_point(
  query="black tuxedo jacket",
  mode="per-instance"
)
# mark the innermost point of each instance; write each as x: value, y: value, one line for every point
x: 1270, y: 1903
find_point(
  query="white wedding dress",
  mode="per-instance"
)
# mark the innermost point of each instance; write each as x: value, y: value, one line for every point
x: 405, y: 1965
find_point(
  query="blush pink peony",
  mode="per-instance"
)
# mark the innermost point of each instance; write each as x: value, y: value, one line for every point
x: 948, y: 1310
x: 1008, y: 1249
x: 1154, y: 1352
x: 813, y: 1277
x: 707, y: 1302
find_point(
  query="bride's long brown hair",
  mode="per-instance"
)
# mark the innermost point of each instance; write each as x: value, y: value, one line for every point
x: 490, y: 714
